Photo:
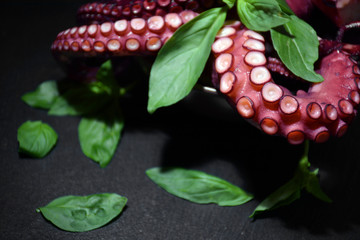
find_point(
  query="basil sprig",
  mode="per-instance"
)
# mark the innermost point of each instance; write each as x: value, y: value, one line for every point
x: 291, y: 191
x: 83, y: 213
x: 36, y: 139
x: 198, y: 187
x: 98, y: 105
x: 182, y: 59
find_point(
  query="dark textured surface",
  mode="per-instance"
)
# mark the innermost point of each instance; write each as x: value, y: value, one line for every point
x: 195, y: 134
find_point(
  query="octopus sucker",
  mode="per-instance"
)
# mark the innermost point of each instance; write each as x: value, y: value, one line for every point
x: 245, y: 107
x: 224, y: 62
x: 255, y: 58
x: 354, y: 96
x: 271, y: 92
x: 244, y: 70
x: 269, y: 125
x: 314, y: 110
x: 260, y: 75
x: 296, y: 137
x: 289, y: 104
x: 322, y: 136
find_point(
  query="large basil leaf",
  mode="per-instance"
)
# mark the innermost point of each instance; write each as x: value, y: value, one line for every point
x: 198, y: 187
x: 83, y: 213
x: 261, y: 15
x: 99, y: 134
x: 297, y: 44
x: 36, y: 139
x: 290, y: 191
x: 182, y: 59
x: 44, y: 95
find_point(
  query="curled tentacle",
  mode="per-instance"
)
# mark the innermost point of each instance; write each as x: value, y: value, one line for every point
x: 325, y: 109
x: 75, y: 47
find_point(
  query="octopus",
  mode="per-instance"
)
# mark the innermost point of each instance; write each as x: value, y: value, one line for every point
x: 243, y: 71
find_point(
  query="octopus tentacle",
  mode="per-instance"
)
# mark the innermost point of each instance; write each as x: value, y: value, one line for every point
x: 110, y: 11
x: 325, y: 109
x: 120, y: 38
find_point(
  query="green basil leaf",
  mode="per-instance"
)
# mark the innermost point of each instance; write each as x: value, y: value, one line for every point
x: 290, y: 191
x: 297, y: 44
x: 313, y: 187
x: 83, y: 213
x: 99, y: 134
x: 79, y: 101
x: 198, y: 187
x: 283, y: 196
x: 261, y: 15
x: 44, y: 95
x: 105, y: 76
x: 229, y: 3
x: 36, y: 139
x: 182, y: 59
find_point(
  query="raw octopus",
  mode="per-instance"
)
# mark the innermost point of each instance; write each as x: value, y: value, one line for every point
x: 243, y: 71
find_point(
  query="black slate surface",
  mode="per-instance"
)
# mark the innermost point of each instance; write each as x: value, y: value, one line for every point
x: 197, y: 133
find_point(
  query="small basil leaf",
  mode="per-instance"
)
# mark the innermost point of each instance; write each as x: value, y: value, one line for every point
x: 36, y: 139
x: 99, y: 134
x: 44, y: 95
x: 79, y: 101
x: 105, y: 75
x: 230, y: 3
x: 313, y: 187
x: 261, y: 15
x: 283, y: 196
x: 182, y: 59
x: 198, y: 187
x: 297, y: 44
x: 83, y: 213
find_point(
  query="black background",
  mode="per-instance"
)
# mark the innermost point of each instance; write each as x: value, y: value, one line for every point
x: 198, y: 133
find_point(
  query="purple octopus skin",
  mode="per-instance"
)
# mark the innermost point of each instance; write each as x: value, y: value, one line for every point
x: 242, y: 69
x: 341, y: 12
x: 104, y: 11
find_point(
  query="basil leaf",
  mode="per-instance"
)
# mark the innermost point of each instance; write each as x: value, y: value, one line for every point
x: 290, y: 191
x: 44, y: 95
x: 79, y: 101
x: 313, y: 187
x: 283, y: 196
x: 261, y: 15
x: 182, y: 59
x: 36, y: 139
x: 99, y: 134
x: 229, y: 3
x: 297, y: 44
x: 106, y: 79
x: 83, y: 213
x: 198, y: 187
